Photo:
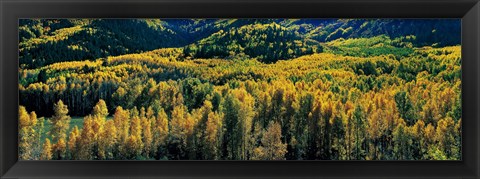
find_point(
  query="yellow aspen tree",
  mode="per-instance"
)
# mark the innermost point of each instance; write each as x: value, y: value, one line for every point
x: 134, y: 141
x: 46, y: 151
x: 264, y: 105
x: 23, y: 117
x: 213, y: 134
x: 400, y: 140
x: 177, y: 123
x: 161, y: 131
x: 60, y: 149
x: 97, y: 123
x: 338, y: 132
x: 198, y: 143
x: 349, y: 133
x: 190, y: 123
x: 72, y: 143
x: 110, y: 134
x: 133, y: 147
x: 60, y: 121
x: 100, y: 108
x: 445, y: 135
x: 441, y: 132
x: 245, y: 117
x: 147, y: 136
x: 38, y: 131
x: 430, y: 134
x: 26, y: 133
x: 150, y: 112
x: 106, y: 141
x: 33, y: 118
x: 99, y: 114
x: 136, y: 127
x: 289, y: 108
x: 142, y: 113
x: 379, y: 120
x: 121, y: 120
x: 271, y: 147
x: 179, y: 131
x: 87, y: 137
x: 327, y: 114
x: 418, y: 133
x: 359, y: 131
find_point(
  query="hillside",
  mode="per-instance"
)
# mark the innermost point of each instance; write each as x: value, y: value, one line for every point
x: 44, y: 42
x: 319, y: 104
x: 427, y: 31
x: 47, y: 41
x: 267, y: 42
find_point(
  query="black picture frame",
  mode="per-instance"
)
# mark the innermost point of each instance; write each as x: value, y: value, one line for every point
x: 467, y: 10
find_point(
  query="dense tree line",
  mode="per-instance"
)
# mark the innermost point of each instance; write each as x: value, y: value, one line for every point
x: 314, y: 107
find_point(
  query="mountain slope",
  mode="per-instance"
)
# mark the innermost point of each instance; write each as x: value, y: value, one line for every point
x: 267, y: 42
x: 43, y: 42
x: 46, y: 41
x: 443, y: 32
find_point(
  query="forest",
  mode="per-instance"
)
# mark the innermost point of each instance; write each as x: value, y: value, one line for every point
x: 240, y: 89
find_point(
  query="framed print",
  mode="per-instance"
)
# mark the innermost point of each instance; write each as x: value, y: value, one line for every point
x: 284, y: 89
x: 240, y: 89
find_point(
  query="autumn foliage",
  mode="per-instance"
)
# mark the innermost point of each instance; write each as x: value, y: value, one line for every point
x: 339, y: 100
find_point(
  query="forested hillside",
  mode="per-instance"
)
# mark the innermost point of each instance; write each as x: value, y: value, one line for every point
x: 46, y: 41
x: 248, y: 89
x: 267, y: 42
x: 43, y: 42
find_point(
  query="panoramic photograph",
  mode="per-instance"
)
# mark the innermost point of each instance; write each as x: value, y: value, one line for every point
x: 239, y: 89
